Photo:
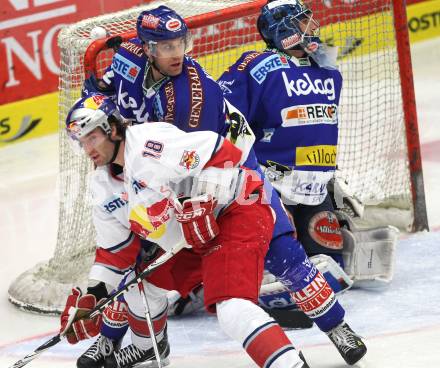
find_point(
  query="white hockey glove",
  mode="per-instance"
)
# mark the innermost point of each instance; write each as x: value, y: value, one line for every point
x: 368, y: 254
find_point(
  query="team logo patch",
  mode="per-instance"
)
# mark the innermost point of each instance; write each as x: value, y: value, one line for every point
x: 325, y: 230
x: 125, y: 67
x: 150, y: 21
x: 269, y: 64
x: 149, y: 223
x: 189, y: 160
x: 224, y: 85
x: 290, y: 41
x: 173, y: 25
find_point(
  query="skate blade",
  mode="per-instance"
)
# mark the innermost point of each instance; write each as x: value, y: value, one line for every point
x: 152, y: 364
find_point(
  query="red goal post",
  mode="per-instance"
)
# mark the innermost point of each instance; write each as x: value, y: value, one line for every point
x: 378, y: 151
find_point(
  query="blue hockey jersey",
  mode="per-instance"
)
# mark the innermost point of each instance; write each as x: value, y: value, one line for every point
x: 292, y: 107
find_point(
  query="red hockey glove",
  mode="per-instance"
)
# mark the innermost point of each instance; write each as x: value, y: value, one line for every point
x: 198, y: 221
x: 78, y: 305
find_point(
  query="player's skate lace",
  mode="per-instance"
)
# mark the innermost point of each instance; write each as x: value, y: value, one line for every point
x: 349, y: 344
x: 128, y: 355
x: 131, y: 355
x: 95, y: 355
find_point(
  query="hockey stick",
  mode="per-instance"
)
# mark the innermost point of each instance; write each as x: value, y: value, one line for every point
x: 101, y: 306
x: 150, y: 325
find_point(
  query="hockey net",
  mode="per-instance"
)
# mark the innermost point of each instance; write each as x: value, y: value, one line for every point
x: 373, y: 144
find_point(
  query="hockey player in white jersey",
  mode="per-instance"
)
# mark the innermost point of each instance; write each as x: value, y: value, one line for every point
x: 166, y: 199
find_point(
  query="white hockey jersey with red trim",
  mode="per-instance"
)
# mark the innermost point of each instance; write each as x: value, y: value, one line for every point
x: 117, y: 246
x: 161, y: 162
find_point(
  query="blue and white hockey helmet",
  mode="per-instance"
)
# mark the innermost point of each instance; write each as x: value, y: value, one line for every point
x: 89, y: 113
x: 289, y: 24
x: 162, y: 24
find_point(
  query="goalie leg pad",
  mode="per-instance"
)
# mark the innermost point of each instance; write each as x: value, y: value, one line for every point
x: 369, y: 255
x: 318, y: 228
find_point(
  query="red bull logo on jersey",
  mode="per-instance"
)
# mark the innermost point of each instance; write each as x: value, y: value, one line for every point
x: 294, y: 116
x: 189, y: 160
x: 149, y: 223
x: 269, y: 64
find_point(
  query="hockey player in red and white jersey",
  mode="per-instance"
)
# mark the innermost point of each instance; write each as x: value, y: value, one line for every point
x: 163, y: 173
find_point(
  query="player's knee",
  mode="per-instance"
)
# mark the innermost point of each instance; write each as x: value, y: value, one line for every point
x: 239, y: 317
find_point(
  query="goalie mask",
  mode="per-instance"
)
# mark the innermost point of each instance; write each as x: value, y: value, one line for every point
x: 289, y: 25
x: 87, y: 114
x: 164, y: 32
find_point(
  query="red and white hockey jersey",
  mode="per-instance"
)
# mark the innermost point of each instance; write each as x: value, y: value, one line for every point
x: 162, y: 164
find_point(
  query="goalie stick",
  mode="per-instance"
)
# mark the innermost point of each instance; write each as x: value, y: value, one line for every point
x: 101, y: 306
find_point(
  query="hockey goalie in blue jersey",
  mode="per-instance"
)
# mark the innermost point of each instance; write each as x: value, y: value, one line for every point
x: 290, y: 94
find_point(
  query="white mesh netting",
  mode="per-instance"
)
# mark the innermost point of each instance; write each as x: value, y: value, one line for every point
x: 371, y: 154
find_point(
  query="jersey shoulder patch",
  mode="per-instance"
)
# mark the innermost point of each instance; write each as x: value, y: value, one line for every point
x: 129, y: 61
x: 267, y: 63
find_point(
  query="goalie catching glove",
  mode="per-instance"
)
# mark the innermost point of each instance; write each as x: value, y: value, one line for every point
x: 196, y: 215
x: 74, y: 328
